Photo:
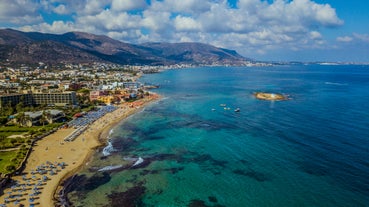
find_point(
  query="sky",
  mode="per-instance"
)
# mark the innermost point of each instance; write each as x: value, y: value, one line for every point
x: 266, y: 30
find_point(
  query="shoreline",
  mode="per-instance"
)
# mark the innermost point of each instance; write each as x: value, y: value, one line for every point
x: 101, y: 137
x: 64, y: 159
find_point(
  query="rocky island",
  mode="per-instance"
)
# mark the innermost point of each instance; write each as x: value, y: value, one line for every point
x: 270, y: 96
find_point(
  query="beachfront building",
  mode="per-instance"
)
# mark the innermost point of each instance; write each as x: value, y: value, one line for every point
x: 58, y: 99
x: 31, y: 99
x: 95, y: 95
x: 105, y: 96
x: 39, y: 117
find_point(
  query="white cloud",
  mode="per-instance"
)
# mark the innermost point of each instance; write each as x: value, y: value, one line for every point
x: 314, y: 35
x: 126, y: 5
x: 108, y: 20
x: 79, y: 8
x: 157, y: 21
x: 57, y: 27
x: 182, y: 6
x: 182, y: 23
x: 90, y: 7
x: 362, y: 37
x: 20, y: 12
x: 344, y: 39
x: 61, y: 9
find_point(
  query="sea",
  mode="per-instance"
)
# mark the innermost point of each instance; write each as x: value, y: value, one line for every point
x: 192, y: 149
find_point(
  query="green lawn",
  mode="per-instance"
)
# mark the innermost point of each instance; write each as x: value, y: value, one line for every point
x: 5, y: 160
x: 13, y: 158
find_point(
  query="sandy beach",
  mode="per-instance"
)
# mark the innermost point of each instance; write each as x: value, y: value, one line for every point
x: 60, y: 159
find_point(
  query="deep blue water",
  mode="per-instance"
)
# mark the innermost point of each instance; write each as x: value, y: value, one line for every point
x: 311, y: 150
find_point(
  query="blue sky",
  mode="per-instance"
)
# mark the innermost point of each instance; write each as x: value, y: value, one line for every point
x: 286, y: 30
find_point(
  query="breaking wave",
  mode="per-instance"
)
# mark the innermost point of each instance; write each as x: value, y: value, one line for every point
x: 109, y: 148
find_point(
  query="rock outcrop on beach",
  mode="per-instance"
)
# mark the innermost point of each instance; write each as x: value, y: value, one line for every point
x: 270, y: 96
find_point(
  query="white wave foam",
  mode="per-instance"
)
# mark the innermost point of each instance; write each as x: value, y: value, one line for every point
x: 110, y: 167
x: 139, y: 161
x: 131, y: 159
x: 108, y: 149
x: 110, y: 132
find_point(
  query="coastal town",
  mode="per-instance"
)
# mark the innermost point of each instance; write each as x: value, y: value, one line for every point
x: 51, y: 119
x: 53, y: 115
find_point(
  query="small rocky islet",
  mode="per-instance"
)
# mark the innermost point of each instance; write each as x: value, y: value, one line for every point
x: 270, y: 96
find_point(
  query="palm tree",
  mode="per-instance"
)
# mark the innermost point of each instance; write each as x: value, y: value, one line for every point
x: 45, y: 117
x: 21, y: 118
x: 27, y: 118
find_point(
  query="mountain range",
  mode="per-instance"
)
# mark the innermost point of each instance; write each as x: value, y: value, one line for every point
x: 80, y: 47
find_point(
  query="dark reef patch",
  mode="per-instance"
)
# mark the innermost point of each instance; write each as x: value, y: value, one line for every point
x: 208, y: 163
x: 151, y: 137
x: 201, y: 203
x: 166, y: 156
x: 213, y: 199
x: 126, y: 144
x: 129, y: 198
x: 205, y: 161
x: 173, y: 170
x: 149, y: 172
x: 93, y: 182
x: 258, y: 176
x: 80, y: 184
x: 313, y: 169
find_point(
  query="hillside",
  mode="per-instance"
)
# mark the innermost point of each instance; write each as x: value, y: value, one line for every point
x: 79, y: 47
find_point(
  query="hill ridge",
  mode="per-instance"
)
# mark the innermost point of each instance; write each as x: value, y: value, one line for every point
x: 82, y: 47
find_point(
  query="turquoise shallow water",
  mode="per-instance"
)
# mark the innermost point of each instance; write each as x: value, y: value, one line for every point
x: 309, y: 151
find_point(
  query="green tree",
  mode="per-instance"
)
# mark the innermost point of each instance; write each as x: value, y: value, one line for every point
x: 3, y: 120
x: 44, y: 117
x: 10, y: 168
x: 21, y: 117
x: 19, y: 107
x: 2, y: 138
x: 7, y: 110
x: 32, y: 132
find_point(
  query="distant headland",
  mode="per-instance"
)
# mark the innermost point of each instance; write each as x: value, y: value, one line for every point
x: 270, y: 96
